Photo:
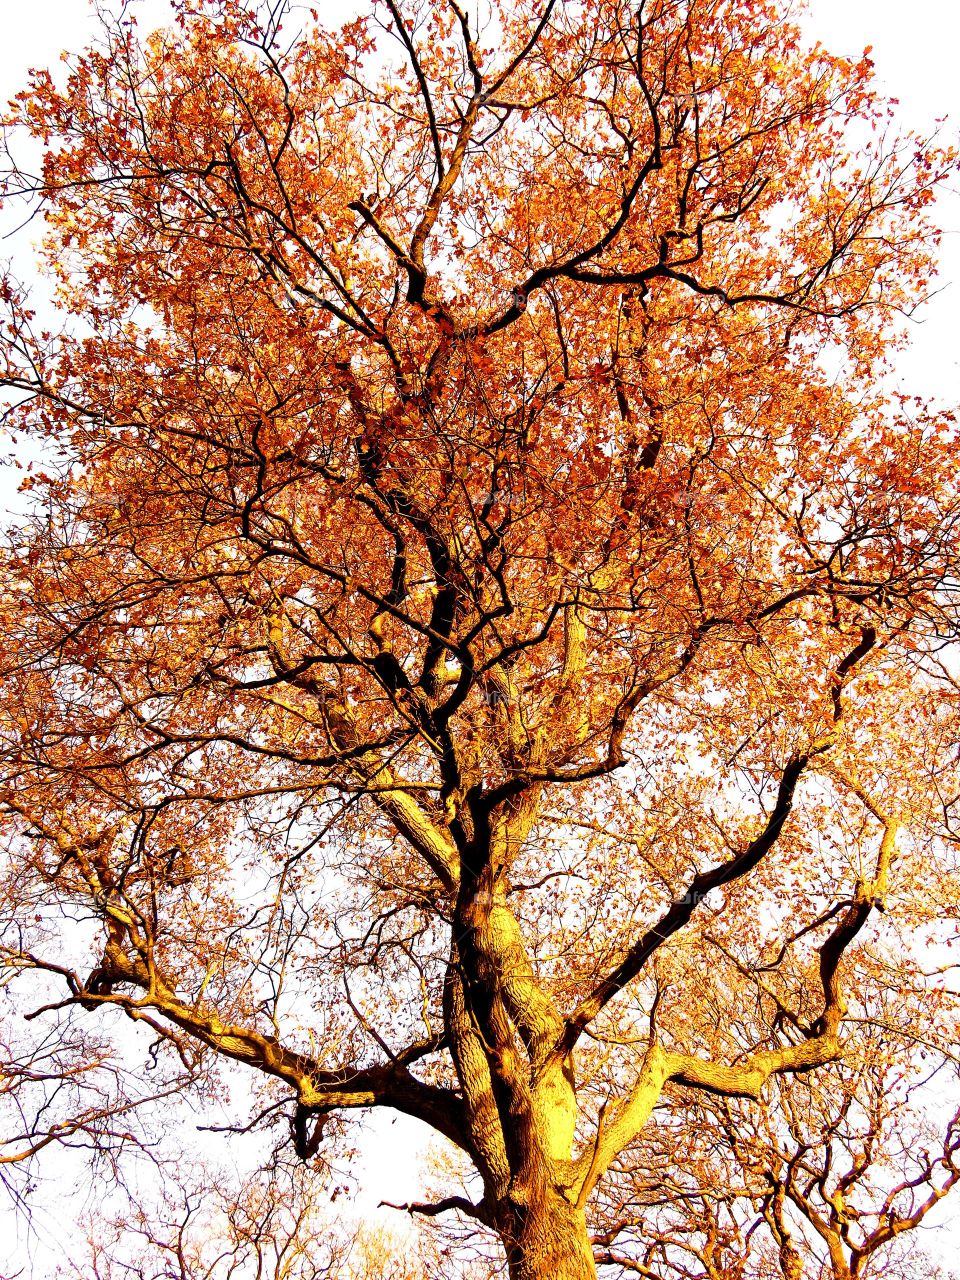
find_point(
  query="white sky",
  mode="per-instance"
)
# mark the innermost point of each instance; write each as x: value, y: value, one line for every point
x: 914, y: 44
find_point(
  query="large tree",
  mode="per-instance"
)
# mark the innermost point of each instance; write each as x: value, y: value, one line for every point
x: 480, y: 600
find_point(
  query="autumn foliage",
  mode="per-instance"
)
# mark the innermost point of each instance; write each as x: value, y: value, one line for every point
x: 480, y: 647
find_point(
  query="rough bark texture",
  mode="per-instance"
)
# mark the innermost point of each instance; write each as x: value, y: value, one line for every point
x: 549, y: 1241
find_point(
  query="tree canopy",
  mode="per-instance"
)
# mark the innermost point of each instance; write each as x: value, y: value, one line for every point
x: 481, y: 644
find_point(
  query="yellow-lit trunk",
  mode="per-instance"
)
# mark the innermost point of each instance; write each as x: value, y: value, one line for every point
x: 550, y: 1242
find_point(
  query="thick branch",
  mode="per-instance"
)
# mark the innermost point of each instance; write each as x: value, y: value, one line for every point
x: 747, y: 1079
x: 680, y: 912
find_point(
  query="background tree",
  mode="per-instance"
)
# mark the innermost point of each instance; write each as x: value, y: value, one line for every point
x: 201, y: 1223
x: 480, y: 599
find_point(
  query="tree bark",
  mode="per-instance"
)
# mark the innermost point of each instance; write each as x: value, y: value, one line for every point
x: 548, y: 1240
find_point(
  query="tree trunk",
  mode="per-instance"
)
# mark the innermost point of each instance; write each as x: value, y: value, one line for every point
x: 549, y: 1241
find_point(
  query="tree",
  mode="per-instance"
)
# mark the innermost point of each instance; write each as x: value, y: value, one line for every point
x: 480, y: 596
x: 275, y: 1227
